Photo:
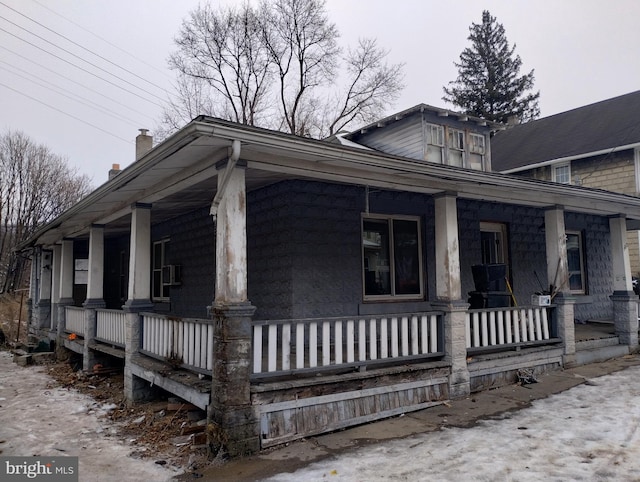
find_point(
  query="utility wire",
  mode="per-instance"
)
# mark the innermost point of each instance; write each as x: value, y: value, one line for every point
x: 77, y: 83
x: 66, y: 113
x: 105, y: 40
x: 83, y: 69
x: 85, y: 49
x: 61, y: 91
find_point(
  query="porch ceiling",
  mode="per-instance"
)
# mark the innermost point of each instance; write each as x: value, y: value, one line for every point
x: 180, y: 175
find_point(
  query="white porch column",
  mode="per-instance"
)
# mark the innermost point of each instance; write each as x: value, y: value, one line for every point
x: 449, y: 292
x: 44, y: 300
x: 95, y: 286
x: 625, y: 301
x: 55, y: 286
x: 66, y: 286
x: 139, y: 294
x: 558, y: 278
x: 139, y: 297
x: 230, y: 412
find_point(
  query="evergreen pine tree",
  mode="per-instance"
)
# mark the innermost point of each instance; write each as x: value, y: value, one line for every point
x: 488, y: 83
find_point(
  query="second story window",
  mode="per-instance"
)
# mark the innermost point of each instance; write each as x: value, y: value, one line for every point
x: 435, y: 143
x: 561, y: 173
x: 456, y: 147
x: 476, y: 152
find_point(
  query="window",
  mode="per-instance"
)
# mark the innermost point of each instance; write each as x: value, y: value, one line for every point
x: 160, y: 290
x: 575, y: 262
x: 81, y: 271
x: 476, y: 151
x: 493, y: 238
x: 392, y: 257
x: 456, y: 147
x: 561, y: 173
x: 435, y: 143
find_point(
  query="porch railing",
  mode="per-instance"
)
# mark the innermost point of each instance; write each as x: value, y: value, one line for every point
x: 184, y: 342
x: 111, y: 326
x: 74, y: 320
x: 496, y: 327
x: 282, y: 346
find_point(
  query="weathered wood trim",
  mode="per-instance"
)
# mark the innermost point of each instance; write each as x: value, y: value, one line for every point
x: 338, y: 397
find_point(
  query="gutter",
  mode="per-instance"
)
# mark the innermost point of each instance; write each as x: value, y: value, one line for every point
x: 571, y: 158
x: 226, y: 176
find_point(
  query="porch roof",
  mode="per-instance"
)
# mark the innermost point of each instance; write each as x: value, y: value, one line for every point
x: 180, y: 175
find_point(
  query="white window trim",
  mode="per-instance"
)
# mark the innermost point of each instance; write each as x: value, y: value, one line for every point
x: 163, y: 242
x: 481, y: 150
x: 392, y: 296
x: 583, y: 289
x: 441, y: 135
x: 556, y: 166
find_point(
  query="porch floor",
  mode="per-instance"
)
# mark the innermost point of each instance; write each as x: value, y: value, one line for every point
x: 594, y: 331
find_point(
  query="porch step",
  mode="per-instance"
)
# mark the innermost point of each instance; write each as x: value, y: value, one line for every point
x: 597, y: 343
x: 600, y: 354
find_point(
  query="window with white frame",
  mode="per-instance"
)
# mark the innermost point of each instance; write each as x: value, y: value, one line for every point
x: 435, y: 143
x: 575, y: 262
x: 476, y: 151
x: 456, y: 147
x: 561, y: 173
x: 391, y: 257
x: 494, y: 246
x: 160, y: 289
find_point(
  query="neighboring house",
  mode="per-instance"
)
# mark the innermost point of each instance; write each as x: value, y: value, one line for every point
x: 302, y: 286
x: 596, y: 146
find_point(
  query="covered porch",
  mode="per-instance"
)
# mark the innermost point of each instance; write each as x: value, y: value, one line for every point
x: 249, y: 315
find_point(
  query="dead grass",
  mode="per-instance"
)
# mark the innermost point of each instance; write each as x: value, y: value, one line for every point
x: 13, y: 321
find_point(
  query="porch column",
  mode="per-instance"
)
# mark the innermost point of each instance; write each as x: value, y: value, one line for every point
x: 234, y: 423
x: 95, y: 295
x: 33, y: 290
x: 449, y: 292
x: 625, y: 301
x: 55, y: 287
x: 66, y: 291
x: 139, y: 296
x: 558, y: 279
x: 44, y: 301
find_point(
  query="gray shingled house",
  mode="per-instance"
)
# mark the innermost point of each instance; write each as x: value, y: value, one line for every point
x: 292, y: 286
x: 597, y: 146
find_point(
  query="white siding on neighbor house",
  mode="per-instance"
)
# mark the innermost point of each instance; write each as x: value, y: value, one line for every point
x: 403, y: 138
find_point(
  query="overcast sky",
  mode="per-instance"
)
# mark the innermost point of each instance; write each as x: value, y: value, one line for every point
x: 583, y: 51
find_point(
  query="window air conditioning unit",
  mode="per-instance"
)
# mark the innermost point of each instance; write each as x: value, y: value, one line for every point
x: 172, y: 275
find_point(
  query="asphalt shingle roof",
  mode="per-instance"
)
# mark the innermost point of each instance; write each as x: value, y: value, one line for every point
x: 595, y: 127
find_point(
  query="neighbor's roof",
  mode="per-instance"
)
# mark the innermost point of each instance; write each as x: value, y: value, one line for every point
x: 586, y: 131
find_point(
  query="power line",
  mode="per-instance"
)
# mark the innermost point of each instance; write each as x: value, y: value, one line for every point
x: 81, y: 68
x: 67, y: 114
x: 77, y: 83
x: 61, y: 91
x: 104, y: 40
x: 84, y: 48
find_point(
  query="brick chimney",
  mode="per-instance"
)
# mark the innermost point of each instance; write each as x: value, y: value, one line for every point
x: 144, y: 143
x: 115, y: 170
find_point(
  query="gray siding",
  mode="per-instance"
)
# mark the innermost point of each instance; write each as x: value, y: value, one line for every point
x: 404, y: 138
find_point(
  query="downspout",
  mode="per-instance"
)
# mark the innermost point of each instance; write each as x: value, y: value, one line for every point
x: 226, y: 175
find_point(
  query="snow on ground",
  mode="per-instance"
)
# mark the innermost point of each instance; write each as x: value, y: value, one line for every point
x: 36, y: 419
x: 588, y: 433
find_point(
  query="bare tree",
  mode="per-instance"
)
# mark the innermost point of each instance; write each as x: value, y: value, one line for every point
x: 35, y: 186
x: 223, y: 49
x: 277, y: 66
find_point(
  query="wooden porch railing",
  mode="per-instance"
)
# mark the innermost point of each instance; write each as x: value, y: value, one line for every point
x: 282, y: 346
x: 497, y: 327
x: 185, y: 342
x: 111, y: 326
x: 74, y: 320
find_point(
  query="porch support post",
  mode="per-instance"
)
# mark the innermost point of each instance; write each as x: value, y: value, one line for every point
x: 139, y: 297
x: 66, y: 292
x: 625, y: 301
x: 449, y: 293
x: 233, y: 424
x: 33, y: 290
x: 558, y: 279
x: 95, y: 292
x: 55, y: 287
x: 44, y: 301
